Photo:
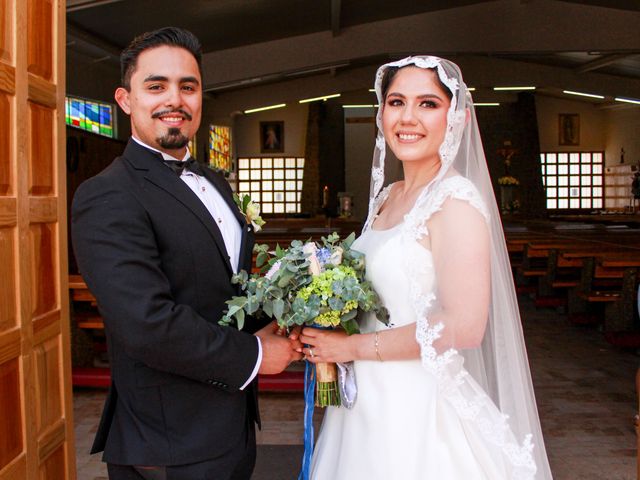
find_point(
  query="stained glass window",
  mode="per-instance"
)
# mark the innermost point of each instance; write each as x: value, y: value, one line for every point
x: 220, y: 147
x: 91, y: 115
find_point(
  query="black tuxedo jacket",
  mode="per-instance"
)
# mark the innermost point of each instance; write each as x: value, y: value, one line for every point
x: 156, y: 262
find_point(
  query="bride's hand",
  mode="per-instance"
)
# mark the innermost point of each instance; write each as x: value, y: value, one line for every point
x: 327, y: 345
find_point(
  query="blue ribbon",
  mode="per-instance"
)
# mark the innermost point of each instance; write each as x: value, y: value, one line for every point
x: 309, y: 403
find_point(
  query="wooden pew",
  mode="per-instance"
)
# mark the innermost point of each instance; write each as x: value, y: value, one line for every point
x: 100, y: 377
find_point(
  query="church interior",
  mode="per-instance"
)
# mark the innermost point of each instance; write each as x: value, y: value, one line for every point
x: 289, y: 117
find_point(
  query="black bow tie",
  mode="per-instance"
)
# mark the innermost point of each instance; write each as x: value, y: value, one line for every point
x: 191, y: 164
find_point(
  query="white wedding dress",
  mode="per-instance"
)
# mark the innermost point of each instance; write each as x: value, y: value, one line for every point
x: 410, y: 422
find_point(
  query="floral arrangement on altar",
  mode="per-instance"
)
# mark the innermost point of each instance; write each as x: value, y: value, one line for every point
x: 508, y: 180
x: 507, y: 153
x: 313, y: 284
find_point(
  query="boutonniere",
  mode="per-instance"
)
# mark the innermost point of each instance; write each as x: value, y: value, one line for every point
x: 250, y: 210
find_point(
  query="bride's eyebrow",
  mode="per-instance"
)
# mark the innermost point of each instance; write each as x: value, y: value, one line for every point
x: 426, y: 96
x: 429, y: 96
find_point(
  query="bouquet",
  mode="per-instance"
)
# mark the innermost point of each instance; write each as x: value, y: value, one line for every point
x: 308, y: 284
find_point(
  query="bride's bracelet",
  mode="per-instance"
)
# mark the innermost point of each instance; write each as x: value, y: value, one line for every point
x: 376, y: 344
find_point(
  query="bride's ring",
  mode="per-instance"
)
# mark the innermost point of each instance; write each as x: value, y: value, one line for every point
x: 310, y: 352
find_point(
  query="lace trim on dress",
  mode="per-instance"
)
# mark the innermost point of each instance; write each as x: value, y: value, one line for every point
x: 453, y: 380
x: 453, y: 187
x: 375, y: 205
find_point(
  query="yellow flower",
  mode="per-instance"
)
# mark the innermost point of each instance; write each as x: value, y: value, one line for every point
x: 508, y: 180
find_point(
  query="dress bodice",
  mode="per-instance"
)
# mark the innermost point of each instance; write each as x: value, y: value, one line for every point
x: 387, y: 253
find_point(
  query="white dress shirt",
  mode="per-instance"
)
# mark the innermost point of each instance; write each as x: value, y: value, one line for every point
x: 225, y: 220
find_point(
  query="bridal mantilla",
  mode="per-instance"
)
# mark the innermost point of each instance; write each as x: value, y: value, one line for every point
x: 445, y: 391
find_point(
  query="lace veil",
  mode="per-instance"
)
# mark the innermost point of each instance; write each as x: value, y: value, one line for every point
x: 498, y: 371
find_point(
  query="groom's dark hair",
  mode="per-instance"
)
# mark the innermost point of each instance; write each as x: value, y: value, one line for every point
x: 169, y: 36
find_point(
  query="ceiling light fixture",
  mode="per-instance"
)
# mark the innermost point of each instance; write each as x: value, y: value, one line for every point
x: 501, y: 89
x: 270, y: 107
x: 486, y: 104
x: 315, y: 99
x: 581, y: 94
x: 627, y: 100
x: 471, y: 89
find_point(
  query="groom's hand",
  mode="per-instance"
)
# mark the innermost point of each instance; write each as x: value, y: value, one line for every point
x: 277, y: 351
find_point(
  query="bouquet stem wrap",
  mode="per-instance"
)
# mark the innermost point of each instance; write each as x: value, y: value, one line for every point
x: 327, y: 393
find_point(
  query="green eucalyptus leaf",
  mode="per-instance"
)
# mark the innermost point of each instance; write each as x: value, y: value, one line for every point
x: 383, y: 315
x: 233, y: 310
x: 347, y: 242
x: 350, y: 326
x: 274, y: 291
x: 267, y: 308
x: 337, y: 287
x: 350, y: 315
x: 263, y: 247
x: 252, y: 305
x: 261, y: 259
x: 278, y: 308
x: 237, y: 301
x: 240, y: 319
x: 336, y: 303
x: 285, y: 278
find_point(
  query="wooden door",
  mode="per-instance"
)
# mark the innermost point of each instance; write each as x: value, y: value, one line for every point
x: 36, y: 424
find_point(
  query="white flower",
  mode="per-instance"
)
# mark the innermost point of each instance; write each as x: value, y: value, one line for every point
x: 336, y: 256
x: 250, y: 210
x: 253, y: 216
x: 310, y: 249
x: 274, y: 268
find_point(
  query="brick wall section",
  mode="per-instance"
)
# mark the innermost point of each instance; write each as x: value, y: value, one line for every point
x: 311, y: 193
x: 324, y: 157
x: 332, y: 156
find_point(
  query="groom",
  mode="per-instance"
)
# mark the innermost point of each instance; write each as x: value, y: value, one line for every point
x: 157, y: 238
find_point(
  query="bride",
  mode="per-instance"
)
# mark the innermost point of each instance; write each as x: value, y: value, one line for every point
x: 444, y: 391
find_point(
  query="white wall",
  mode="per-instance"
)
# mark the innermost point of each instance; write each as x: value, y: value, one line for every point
x: 592, y: 124
x: 623, y: 132
x: 359, y: 139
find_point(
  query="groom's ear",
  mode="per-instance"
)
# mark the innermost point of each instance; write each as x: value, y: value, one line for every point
x: 122, y: 97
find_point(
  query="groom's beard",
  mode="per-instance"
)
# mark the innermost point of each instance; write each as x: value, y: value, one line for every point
x: 173, y: 139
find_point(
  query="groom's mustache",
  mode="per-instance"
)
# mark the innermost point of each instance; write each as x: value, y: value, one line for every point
x: 166, y: 112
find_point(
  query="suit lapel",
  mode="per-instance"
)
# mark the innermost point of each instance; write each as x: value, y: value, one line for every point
x: 163, y: 177
x: 247, y: 230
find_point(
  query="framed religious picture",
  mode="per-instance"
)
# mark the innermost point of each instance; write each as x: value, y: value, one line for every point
x: 569, y: 129
x: 271, y: 137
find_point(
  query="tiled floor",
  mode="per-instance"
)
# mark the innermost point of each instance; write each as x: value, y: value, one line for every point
x: 584, y: 387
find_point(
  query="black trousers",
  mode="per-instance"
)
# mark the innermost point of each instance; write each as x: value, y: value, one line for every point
x: 238, y: 465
